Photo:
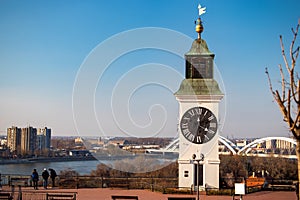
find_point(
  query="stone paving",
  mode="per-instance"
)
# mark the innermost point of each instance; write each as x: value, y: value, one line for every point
x: 106, y: 193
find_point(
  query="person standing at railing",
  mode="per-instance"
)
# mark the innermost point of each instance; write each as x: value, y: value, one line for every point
x: 35, y: 179
x: 45, y: 176
x: 52, y: 176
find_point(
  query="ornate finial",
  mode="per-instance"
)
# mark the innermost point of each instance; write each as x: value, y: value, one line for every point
x: 199, y: 27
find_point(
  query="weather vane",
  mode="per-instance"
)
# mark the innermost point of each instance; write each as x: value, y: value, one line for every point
x: 199, y: 27
x: 201, y: 10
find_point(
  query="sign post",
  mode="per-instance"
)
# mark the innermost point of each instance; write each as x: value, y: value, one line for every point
x: 239, y: 189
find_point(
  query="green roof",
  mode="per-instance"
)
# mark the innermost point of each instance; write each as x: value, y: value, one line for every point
x: 199, y: 47
x: 199, y: 87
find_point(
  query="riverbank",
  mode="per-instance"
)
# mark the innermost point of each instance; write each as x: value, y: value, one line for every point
x: 167, y: 157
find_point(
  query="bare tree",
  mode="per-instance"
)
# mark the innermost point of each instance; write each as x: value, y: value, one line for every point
x: 288, y: 96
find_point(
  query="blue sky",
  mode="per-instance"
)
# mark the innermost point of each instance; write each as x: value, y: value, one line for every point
x: 44, y: 44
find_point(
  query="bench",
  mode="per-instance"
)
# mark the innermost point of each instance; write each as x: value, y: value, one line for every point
x: 282, y: 187
x: 59, y: 196
x: 124, y: 197
x: 19, y: 181
x: 5, y: 195
x: 183, y: 198
x: 119, y: 184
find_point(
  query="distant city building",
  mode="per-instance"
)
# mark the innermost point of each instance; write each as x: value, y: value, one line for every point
x: 285, y: 145
x: 79, y: 153
x: 43, y: 139
x: 28, y: 141
x: 78, y: 140
x: 3, y: 142
x: 241, y: 143
x: 14, y: 139
x: 279, y: 144
x: 119, y: 143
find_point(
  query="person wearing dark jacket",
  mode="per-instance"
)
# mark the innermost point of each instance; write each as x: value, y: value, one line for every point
x: 35, y: 179
x: 52, y: 176
x: 45, y: 176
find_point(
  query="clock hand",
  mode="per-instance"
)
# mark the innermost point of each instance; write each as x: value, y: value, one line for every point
x: 205, y: 129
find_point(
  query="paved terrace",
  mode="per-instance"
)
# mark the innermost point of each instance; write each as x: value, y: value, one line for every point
x: 106, y: 193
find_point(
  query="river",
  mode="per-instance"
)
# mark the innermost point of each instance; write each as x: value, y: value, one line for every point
x: 82, y: 167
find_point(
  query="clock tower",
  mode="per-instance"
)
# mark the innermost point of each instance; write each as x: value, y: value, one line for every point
x: 199, y: 97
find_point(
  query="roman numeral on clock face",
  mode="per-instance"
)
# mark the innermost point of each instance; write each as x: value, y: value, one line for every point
x: 192, y: 113
x: 212, y: 125
x: 184, y: 126
x: 198, y: 139
x: 198, y: 111
x: 211, y: 118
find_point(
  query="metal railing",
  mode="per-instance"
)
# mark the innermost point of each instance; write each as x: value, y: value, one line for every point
x: 151, y: 183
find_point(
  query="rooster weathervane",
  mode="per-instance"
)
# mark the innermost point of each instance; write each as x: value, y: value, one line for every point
x: 198, y: 22
x: 201, y: 9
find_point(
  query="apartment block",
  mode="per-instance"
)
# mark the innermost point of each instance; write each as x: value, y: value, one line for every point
x: 28, y: 141
x: 14, y: 140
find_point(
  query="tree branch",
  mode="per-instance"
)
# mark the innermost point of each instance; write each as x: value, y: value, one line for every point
x: 293, y: 58
x: 293, y: 43
x: 283, y: 54
x: 289, y: 109
x: 298, y: 91
x: 282, y: 82
x: 296, y: 122
x: 289, y: 98
x: 270, y: 83
x: 281, y: 106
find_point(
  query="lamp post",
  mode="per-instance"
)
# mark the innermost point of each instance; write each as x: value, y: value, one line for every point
x: 195, y: 159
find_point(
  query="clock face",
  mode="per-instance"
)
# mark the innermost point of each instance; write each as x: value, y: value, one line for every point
x: 198, y: 125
